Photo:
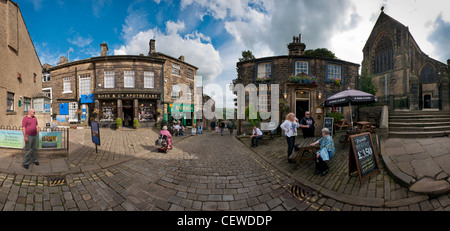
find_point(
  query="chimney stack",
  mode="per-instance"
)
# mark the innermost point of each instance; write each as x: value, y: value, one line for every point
x: 181, y: 58
x: 104, y: 47
x: 152, y: 47
x: 297, y: 47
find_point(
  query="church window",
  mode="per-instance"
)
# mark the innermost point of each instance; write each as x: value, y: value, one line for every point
x: 384, y: 56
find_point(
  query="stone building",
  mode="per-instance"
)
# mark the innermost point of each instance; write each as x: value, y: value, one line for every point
x: 304, y: 81
x: 119, y: 86
x: 407, y: 78
x: 20, y: 70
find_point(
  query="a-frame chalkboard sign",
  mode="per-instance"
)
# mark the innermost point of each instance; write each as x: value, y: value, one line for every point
x: 362, y: 156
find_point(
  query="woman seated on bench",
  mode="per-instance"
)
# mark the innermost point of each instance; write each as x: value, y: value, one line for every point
x: 325, y: 153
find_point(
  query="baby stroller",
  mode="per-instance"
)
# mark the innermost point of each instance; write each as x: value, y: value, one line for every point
x: 162, y: 143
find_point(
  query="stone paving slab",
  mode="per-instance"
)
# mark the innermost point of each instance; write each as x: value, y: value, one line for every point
x: 424, y: 168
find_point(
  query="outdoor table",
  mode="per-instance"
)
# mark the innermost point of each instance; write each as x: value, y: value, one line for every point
x: 342, y: 123
x: 365, y: 126
x: 304, y: 146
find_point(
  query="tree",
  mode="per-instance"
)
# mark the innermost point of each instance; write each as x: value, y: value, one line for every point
x: 246, y: 55
x: 367, y: 80
x: 321, y: 52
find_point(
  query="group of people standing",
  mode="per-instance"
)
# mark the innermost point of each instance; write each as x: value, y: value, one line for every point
x: 307, y: 124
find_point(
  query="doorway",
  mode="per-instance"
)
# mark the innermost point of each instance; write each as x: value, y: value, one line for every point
x: 301, y: 107
x: 128, y: 113
x: 427, y: 101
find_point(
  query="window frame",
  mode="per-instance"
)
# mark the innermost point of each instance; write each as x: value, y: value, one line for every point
x: 308, y: 64
x: 176, y: 69
x: 128, y: 78
x: 10, y: 99
x: 331, y: 64
x: 149, y: 79
x: 67, y: 85
x: 109, y: 79
x: 83, y: 81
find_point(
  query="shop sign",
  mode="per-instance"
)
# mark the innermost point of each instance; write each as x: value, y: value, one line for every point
x: 127, y: 96
x: 181, y: 107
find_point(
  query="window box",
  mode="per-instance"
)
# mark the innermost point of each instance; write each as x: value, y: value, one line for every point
x: 304, y: 79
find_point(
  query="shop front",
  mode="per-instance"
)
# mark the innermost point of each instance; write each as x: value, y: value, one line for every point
x: 127, y: 107
x: 183, y: 113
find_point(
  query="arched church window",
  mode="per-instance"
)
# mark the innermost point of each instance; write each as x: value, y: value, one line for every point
x: 428, y: 74
x: 384, y: 56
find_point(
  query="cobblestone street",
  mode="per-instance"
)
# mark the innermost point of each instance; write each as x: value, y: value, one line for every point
x: 206, y: 172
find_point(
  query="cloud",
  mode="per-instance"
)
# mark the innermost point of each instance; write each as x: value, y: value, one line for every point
x: 80, y: 41
x: 98, y: 6
x: 195, y: 46
x: 440, y: 37
x: 37, y: 4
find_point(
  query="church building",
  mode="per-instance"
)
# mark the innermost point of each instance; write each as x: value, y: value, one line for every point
x: 407, y: 78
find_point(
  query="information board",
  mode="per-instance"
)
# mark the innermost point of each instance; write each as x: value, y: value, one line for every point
x: 362, y: 156
x: 11, y: 139
x: 95, y: 132
x: 48, y: 140
x: 328, y: 122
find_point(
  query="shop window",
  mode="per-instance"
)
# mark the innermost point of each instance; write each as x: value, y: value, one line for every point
x: 108, y: 112
x: 146, y: 112
x: 10, y: 102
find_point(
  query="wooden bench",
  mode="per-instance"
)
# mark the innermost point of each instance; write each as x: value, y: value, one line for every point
x: 304, y: 146
x: 344, y: 123
x: 365, y: 126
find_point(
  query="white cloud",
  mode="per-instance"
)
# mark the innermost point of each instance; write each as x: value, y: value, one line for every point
x: 193, y: 46
x: 80, y: 41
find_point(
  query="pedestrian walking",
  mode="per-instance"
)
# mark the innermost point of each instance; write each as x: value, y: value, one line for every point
x: 307, y: 124
x: 256, y: 135
x: 290, y: 126
x: 213, y: 125
x: 222, y: 127
x: 325, y: 153
x: 30, y: 130
x: 230, y: 126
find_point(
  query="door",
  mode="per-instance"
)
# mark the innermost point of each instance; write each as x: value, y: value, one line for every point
x: 301, y: 107
x: 427, y: 101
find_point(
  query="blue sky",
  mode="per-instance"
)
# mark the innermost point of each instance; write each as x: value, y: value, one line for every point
x: 211, y: 34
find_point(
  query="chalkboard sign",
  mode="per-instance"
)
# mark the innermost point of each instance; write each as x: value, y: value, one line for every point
x: 362, y: 156
x: 329, y: 123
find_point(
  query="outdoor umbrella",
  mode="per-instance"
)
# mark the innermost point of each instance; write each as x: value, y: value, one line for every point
x: 349, y: 98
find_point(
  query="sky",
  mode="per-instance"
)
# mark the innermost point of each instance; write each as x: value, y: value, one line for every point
x: 211, y: 34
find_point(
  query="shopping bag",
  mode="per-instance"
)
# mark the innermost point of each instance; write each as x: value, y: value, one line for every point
x: 324, y: 154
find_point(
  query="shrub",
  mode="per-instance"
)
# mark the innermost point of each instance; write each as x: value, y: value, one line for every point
x: 118, y: 122
x: 136, y: 123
